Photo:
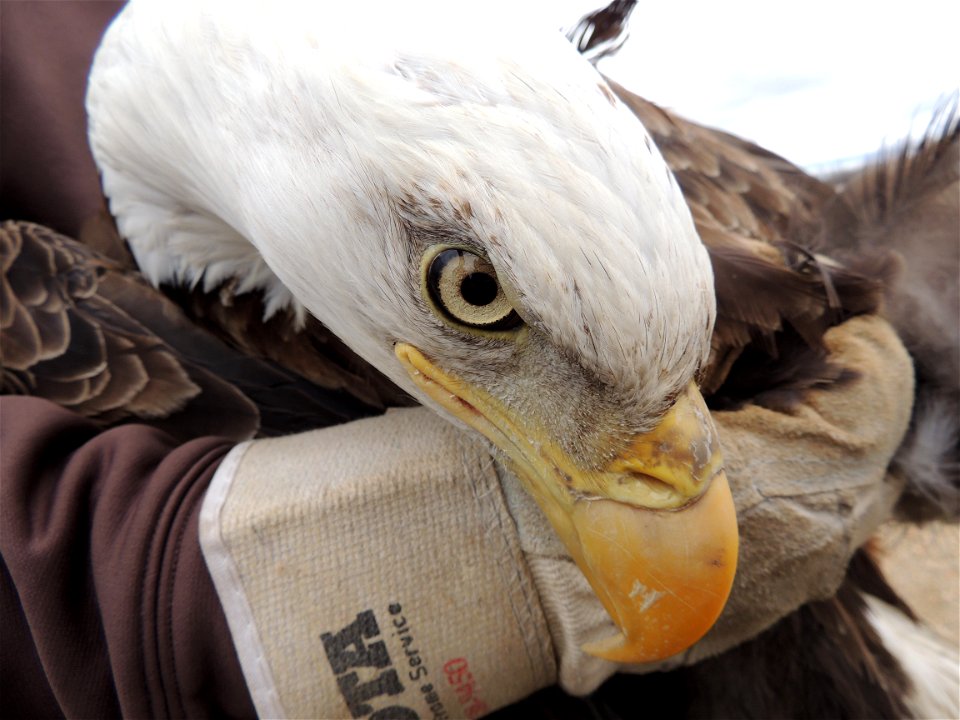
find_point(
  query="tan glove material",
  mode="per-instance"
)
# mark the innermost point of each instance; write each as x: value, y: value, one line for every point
x: 373, y: 567
x: 406, y: 513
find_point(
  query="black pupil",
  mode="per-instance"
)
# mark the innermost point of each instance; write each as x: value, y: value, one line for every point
x: 478, y: 289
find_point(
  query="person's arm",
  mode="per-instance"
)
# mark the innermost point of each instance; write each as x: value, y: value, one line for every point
x: 108, y: 608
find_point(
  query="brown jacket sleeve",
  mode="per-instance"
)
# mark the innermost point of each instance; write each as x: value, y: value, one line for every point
x: 47, y: 174
x: 107, y: 606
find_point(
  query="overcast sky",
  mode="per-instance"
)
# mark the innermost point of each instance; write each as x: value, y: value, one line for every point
x: 818, y: 81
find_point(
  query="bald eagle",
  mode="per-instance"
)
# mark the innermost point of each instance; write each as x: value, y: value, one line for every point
x: 487, y: 227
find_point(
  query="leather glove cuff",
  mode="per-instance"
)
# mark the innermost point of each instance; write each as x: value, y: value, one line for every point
x: 374, y: 568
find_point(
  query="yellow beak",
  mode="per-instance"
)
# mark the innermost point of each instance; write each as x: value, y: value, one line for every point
x: 654, y: 532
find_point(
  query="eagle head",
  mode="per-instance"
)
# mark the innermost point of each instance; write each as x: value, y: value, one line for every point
x: 472, y: 210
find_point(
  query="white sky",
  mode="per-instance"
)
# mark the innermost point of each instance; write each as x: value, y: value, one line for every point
x: 818, y: 82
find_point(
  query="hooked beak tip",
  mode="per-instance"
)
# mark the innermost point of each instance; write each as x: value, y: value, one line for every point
x: 663, y: 576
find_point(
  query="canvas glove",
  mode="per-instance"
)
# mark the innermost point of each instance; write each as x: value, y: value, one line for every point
x: 390, y: 568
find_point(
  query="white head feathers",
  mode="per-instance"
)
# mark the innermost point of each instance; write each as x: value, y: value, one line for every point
x: 313, y: 151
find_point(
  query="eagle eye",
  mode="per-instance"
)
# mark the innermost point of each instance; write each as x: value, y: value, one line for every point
x: 463, y: 287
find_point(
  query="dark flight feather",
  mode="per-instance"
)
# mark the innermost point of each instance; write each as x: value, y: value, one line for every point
x: 311, y: 351
x: 603, y: 32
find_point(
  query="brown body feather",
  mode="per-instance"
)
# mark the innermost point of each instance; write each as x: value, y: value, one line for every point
x: 758, y: 215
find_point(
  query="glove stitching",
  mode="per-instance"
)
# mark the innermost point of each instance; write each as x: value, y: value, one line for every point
x: 546, y: 668
x: 518, y: 590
